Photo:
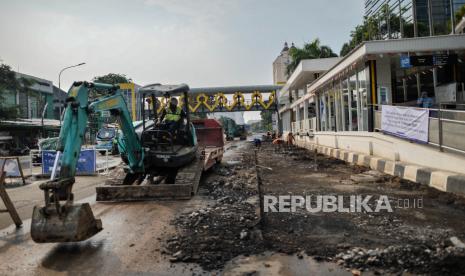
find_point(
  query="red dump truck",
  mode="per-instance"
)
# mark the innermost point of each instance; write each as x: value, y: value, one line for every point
x: 211, y: 141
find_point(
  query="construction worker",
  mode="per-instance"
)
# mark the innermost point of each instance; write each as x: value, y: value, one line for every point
x: 172, y: 115
x: 290, y: 139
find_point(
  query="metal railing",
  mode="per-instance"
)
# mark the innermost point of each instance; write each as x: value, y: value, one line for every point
x: 304, y: 127
x: 101, y: 167
x: 446, y: 126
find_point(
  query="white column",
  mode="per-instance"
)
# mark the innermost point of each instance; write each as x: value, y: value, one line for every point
x: 337, y: 108
x: 349, y: 106
x: 359, y: 102
x: 305, y: 109
x: 318, y: 115
x: 343, y: 114
x: 297, y: 112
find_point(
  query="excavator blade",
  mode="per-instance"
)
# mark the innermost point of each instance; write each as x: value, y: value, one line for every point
x: 121, y: 193
x: 185, y: 185
x: 77, y: 223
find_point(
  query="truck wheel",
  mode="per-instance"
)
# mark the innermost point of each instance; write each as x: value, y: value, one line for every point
x: 102, y: 152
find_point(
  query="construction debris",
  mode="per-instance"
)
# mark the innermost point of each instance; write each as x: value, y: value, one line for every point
x: 214, y: 235
x: 407, y: 240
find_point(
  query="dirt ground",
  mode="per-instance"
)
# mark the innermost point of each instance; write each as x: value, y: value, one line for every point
x: 418, y: 239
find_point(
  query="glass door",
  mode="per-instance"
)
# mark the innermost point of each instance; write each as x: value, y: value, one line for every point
x: 354, y: 103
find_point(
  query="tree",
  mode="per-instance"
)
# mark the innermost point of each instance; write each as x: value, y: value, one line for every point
x: 368, y: 30
x: 112, y: 78
x: 229, y: 126
x: 95, y: 120
x: 10, y: 83
x: 459, y: 14
x: 346, y: 48
x: 267, y: 119
x: 312, y: 50
x: 385, y: 24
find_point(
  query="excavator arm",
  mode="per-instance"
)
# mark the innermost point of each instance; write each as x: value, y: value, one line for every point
x: 62, y: 222
x: 117, y: 106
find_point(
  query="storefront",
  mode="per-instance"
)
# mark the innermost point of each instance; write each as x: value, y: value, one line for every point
x: 343, y: 104
x: 417, y: 72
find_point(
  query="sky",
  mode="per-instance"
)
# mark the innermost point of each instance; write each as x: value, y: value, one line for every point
x: 199, y: 42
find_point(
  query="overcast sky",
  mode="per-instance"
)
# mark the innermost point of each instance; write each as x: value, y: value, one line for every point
x: 199, y: 42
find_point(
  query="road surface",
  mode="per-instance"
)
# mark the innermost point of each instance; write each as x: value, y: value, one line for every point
x: 26, y: 197
x: 131, y: 242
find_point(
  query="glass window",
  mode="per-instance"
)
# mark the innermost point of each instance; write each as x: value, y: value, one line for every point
x: 426, y: 80
x: 322, y: 113
x: 422, y: 17
x: 406, y: 8
x: 338, y: 103
x: 345, y: 104
x: 353, y: 102
x: 331, y: 111
x: 106, y: 133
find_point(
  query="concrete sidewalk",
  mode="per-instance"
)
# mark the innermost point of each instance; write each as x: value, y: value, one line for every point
x: 442, y: 180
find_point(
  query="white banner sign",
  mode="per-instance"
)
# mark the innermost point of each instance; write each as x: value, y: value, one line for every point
x: 405, y: 122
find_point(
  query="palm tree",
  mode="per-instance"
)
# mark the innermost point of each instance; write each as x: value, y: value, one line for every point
x: 312, y: 50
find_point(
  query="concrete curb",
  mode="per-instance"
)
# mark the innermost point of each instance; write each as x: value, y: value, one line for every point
x: 441, y: 180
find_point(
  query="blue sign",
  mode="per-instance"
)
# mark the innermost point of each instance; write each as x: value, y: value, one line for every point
x: 405, y: 62
x: 87, y: 162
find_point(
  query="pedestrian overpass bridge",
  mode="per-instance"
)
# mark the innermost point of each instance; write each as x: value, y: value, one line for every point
x: 230, y: 99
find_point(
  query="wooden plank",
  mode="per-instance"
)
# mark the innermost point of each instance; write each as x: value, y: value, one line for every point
x: 143, y: 193
x: 7, y: 201
x: 21, y: 170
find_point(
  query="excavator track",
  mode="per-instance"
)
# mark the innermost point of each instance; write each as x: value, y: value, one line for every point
x: 191, y: 174
x: 186, y: 184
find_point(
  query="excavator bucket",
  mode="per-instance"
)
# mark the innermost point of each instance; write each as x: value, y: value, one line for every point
x: 77, y: 223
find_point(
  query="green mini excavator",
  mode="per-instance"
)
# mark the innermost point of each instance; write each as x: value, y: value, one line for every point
x: 149, y: 153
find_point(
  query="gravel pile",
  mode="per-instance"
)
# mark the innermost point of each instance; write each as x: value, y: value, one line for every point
x: 443, y: 259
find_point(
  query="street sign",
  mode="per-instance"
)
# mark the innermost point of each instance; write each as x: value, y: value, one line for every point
x: 427, y: 60
x: 443, y: 59
x: 405, y: 62
x: 87, y: 162
x: 421, y: 60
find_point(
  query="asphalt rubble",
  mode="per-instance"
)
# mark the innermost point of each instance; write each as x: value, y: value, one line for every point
x: 229, y: 227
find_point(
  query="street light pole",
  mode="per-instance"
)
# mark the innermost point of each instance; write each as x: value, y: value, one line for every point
x: 59, y: 75
x: 59, y: 80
